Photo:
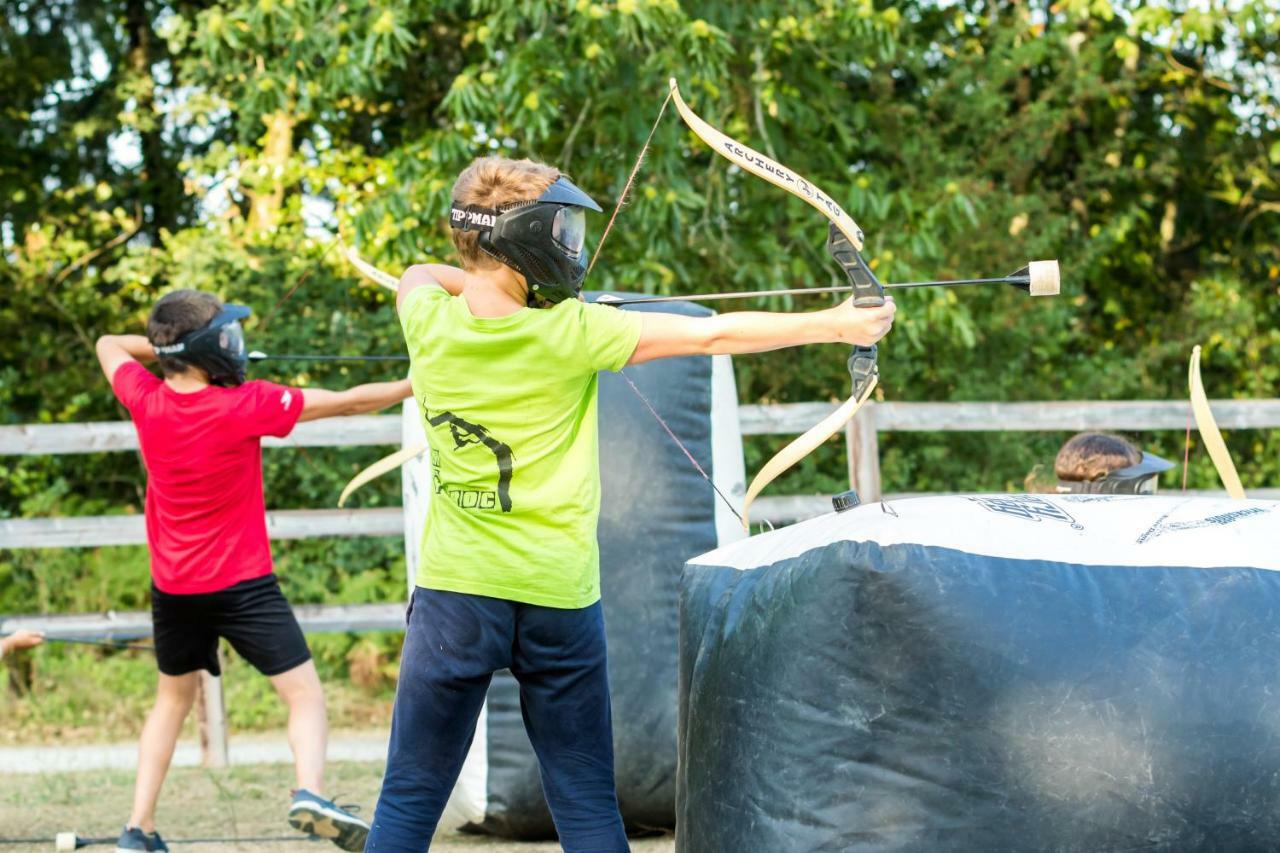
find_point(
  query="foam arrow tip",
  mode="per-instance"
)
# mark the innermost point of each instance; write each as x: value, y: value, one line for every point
x: 1045, y: 280
x: 1038, y: 278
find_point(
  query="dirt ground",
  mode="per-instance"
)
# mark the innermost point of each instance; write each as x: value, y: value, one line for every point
x: 240, y: 802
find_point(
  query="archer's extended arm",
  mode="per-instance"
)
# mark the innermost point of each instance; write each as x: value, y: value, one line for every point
x: 666, y: 335
x: 318, y: 403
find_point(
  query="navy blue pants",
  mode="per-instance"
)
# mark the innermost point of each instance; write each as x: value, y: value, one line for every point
x: 453, y: 645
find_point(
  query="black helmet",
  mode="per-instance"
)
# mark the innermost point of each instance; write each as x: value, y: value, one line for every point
x: 1137, y: 479
x: 217, y: 347
x: 541, y: 239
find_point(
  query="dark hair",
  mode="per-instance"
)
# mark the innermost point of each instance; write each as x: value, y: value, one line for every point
x: 1091, y: 456
x: 175, y: 314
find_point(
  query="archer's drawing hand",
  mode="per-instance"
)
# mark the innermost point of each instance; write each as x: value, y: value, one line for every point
x: 863, y: 326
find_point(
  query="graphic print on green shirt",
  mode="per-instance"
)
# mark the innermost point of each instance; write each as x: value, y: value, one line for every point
x: 509, y: 408
x: 464, y: 434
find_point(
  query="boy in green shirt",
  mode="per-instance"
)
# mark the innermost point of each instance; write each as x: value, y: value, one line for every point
x: 504, y: 356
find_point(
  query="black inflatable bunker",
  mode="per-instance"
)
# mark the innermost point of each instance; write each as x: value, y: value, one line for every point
x: 986, y: 673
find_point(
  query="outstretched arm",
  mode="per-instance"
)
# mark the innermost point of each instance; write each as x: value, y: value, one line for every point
x: 666, y: 335
x: 318, y: 403
x: 116, y: 350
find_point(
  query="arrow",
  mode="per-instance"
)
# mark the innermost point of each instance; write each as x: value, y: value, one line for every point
x: 258, y: 355
x: 1038, y: 278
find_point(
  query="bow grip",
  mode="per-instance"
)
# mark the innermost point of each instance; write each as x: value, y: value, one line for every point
x: 867, y: 290
x: 862, y: 368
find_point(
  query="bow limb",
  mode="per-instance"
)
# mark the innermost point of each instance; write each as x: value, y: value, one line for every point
x: 803, y: 446
x: 844, y: 244
x: 384, y: 465
x: 387, y: 463
x: 371, y: 272
x: 1209, y: 431
x: 768, y: 169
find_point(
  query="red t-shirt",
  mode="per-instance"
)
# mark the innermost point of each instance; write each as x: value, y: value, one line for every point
x: 206, y: 520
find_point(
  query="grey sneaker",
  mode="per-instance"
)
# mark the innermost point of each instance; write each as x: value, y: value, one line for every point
x: 133, y: 839
x: 317, y: 816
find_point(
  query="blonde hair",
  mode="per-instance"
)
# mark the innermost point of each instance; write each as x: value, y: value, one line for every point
x: 1093, y: 455
x: 496, y: 182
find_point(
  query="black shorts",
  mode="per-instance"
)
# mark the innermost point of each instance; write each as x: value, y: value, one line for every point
x: 253, y: 615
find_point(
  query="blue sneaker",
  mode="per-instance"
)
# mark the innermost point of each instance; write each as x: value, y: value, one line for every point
x: 317, y: 816
x: 133, y: 839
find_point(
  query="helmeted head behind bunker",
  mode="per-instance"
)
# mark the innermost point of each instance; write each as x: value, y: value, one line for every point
x: 1099, y: 463
x: 1141, y: 478
x: 541, y: 237
x: 215, y: 346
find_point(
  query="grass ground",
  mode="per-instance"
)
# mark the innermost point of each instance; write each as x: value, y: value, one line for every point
x: 240, y: 802
x: 64, y: 695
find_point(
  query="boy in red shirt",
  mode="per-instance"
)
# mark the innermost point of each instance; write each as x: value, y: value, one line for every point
x: 200, y: 431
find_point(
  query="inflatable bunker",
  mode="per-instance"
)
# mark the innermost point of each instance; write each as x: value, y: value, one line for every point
x: 986, y: 673
x: 656, y: 512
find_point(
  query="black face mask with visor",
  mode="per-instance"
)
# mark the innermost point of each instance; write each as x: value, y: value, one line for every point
x: 1140, y: 478
x: 217, y: 347
x: 541, y: 239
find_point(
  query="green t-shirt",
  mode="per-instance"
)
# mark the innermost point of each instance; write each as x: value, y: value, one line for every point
x: 509, y: 408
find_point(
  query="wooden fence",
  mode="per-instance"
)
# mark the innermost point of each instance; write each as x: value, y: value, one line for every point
x: 862, y: 448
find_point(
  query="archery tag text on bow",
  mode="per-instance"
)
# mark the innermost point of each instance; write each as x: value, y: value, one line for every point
x: 798, y: 184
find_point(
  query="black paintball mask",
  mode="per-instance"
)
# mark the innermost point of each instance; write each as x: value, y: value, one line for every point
x: 217, y: 347
x: 1140, y: 478
x: 541, y: 239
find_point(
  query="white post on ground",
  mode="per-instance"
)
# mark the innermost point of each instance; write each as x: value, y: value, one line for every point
x: 211, y: 720
x: 863, y: 448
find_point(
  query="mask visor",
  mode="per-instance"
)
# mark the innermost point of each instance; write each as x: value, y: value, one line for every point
x: 231, y: 339
x: 569, y: 230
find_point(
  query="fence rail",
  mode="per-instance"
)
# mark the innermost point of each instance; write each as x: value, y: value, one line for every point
x: 108, y: 436
x: 93, y: 531
x: 136, y: 624
x: 777, y: 419
x: 781, y: 419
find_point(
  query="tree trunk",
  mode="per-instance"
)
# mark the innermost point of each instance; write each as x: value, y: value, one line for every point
x: 161, y: 186
x: 267, y: 199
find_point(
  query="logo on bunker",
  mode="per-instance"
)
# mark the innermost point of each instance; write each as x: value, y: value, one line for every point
x: 1029, y: 508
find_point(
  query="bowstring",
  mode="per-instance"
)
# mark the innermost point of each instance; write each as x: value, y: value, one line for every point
x: 261, y: 325
x: 626, y: 188
x: 681, y: 445
x: 622, y: 199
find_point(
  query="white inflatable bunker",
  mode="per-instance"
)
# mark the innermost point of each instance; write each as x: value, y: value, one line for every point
x: 987, y: 672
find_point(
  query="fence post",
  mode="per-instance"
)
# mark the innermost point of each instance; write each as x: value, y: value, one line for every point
x: 211, y: 719
x: 863, y: 448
